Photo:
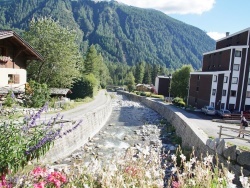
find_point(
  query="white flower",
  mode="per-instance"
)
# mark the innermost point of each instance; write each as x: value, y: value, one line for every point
x: 208, y: 159
x: 173, y: 170
x: 183, y: 157
x: 230, y: 176
x: 193, y: 160
x: 148, y: 175
x: 173, y: 157
x: 244, y: 182
x: 231, y: 185
x: 188, y: 165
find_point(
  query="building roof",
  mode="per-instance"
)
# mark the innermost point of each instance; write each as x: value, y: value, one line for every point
x: 17, y: 40
x: 60, y: 91
x: 242, y: 31
x: 6, y: 90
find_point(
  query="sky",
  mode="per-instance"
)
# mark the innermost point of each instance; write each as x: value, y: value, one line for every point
x: 215, y: 17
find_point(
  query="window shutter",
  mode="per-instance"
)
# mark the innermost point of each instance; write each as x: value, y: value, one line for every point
x: 16, y: 79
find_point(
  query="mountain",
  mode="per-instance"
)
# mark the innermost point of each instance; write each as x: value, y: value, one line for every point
x: 121, y: 33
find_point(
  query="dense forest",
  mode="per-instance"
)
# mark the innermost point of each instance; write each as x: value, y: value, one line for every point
x: 121, y: 34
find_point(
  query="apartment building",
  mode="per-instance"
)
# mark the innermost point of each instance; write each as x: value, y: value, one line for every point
x: 224, y: 80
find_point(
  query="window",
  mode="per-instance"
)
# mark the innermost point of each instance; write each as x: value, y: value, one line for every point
x: 224, y: 92
x: 248, y: 94
x: 248, y: 81
x: 236, y: 67
x: 13, y: 79
x: 197, y: 88
x: 215, y: 78
x: 222, y: 105
x: 225, y: 79
x: 237, y: 53
x: 233, y: 93
x: 234, y: 80
x: 214, y: 92
x: 212, y: 104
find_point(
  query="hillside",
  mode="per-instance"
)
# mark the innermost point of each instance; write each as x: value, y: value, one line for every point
x: 121, y: 33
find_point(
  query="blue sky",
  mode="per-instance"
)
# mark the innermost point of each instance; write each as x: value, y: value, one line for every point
x: 216, y: 17
x: 225, y: 15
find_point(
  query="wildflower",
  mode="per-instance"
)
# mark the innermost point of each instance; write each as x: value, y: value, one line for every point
x: 173, y: 157
x: 173, y: 170
x: 40, y: 185
x: 193, y: 160
x: 175, y: 184
x: 230, y: 176
x: 208, y: 159
x: 57, y: 178
x: 244, y: 182
x: 183, y: 157
x: 39, y: 172
x: 231, y: 185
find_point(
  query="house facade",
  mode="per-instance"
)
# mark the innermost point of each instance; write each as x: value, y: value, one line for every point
x: 162, y: 85
x: 224, y: 81
x: 14, y: 53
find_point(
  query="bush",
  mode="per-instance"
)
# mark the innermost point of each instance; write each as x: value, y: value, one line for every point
x: 178, y: 102
x: 157, y: 96
x: 143, y: 94
x: 86, y: 87
x: 10, y: 99
x: 36, y: 94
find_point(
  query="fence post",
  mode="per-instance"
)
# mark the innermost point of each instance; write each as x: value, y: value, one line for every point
x: 220, y: 132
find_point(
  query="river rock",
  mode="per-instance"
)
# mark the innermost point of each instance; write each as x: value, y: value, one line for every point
x: 244, y: 158
x: 221, y: 146
x: 230, y: 152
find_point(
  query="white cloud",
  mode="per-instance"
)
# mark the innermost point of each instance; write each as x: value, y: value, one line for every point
x: 216, y: 35
x: 173, y: 6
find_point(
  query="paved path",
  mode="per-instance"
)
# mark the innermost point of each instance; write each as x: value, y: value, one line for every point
x: 76, y: 113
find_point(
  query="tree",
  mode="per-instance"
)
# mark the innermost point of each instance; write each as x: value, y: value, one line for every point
x: 58, y: 47
x: 139, y: 72
x: 147, y: 74
x: 180, y: 80
x: 130, y: 81
x: 91, y: 61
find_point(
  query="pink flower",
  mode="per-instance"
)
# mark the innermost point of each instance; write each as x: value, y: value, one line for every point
x: 175, y: 184
x: 57, y: 178
x: 38, y: 171
x: 40, y: 185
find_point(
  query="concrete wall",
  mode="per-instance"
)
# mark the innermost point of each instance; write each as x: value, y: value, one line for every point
x: 92, y: 123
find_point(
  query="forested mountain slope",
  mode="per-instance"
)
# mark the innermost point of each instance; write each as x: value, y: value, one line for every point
x: 121, y: 33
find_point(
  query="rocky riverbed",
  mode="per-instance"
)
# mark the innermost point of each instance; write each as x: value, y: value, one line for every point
x: 131, y: 125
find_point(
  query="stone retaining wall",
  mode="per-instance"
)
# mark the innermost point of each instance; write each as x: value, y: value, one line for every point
x: 194, y: 137
x: 92, y: 123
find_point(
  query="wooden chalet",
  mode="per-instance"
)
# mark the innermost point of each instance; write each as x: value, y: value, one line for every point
x: 14, y: 53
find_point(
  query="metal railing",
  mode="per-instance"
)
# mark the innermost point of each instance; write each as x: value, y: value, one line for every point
x: 242, y: 131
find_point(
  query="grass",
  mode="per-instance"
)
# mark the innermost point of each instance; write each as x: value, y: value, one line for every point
x: 241, y: 148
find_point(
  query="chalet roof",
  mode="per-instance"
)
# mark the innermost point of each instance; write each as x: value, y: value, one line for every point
x: 60, y: 91
x: 15, y: 38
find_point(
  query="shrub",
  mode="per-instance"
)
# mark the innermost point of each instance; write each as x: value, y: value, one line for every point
x: 157, y: 96
x: 36, y: 95
x: 178, y: 102
x: 143, y: 94
x: 10, y: 99
x: 86, y: 87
